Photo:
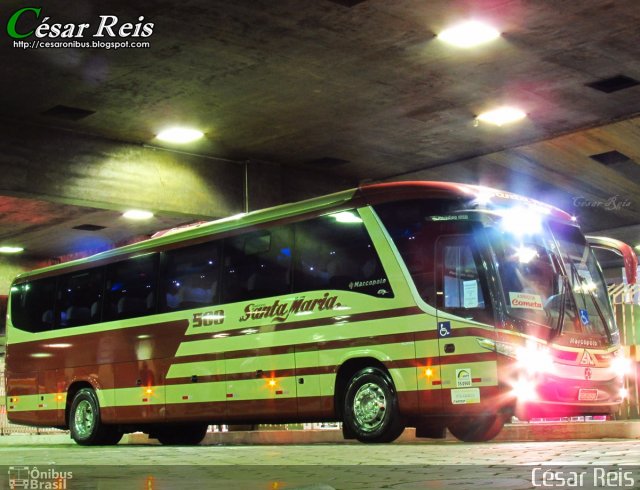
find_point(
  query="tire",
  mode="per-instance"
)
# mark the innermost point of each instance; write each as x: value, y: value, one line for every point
x: 85, y: 424
x: 371, y: 407
x: 477, y: 428
x: 182, y: 435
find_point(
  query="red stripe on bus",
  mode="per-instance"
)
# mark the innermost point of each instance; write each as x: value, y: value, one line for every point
x: 462, y: 358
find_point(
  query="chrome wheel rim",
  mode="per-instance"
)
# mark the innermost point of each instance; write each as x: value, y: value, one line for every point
x: 84, y: 419
x: 369, y: 407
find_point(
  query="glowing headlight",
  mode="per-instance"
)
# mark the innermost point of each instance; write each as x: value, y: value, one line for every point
x: 534, y: 359
x: 524, y: 390
x: 621, y: 365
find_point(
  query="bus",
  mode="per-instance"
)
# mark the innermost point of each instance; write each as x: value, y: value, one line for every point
x: 416, y: 304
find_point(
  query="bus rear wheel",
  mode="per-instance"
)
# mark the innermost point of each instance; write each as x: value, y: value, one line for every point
x: 477, y: 428
x: 182, y: 435
x: 85, y: 424
x: 371, y: 407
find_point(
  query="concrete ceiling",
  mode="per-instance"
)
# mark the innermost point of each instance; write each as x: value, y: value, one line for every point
x: 314, y: 96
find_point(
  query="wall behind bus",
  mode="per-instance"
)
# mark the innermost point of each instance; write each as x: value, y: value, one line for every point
x: 11, y: 266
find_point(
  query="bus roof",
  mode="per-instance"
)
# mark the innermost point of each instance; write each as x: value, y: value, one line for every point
x: 363, y: 195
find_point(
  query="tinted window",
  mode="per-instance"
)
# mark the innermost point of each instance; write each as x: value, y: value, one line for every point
x: 335, y: 252
x: 190, y: 278
x: 131, y: 287
x: 32, y: 305
x: 257, y: 264
x: 80, y: 298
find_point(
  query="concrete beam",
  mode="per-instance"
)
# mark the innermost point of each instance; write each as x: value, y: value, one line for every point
x: 84, y: 170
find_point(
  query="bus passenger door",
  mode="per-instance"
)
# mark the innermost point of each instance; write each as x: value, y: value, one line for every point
x: 465, y: 318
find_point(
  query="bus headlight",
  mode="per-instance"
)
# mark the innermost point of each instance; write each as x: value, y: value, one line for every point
x: 534, y: 359
x: 621, y: 365
x: 524, y: 390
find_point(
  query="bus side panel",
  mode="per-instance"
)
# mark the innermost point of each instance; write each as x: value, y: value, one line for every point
x: 262, y: 385
x: 51, y: 403
x: 196, y: 390
x: 22, y: 398
x: 140, y: 394
x: 313, y: 402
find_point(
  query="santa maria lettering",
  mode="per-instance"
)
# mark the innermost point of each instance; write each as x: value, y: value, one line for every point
x: 280, y: 311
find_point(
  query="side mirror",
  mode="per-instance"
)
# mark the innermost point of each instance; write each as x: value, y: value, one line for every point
x: 620, y: 248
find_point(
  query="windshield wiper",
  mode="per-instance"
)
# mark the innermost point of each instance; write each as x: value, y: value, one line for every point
x: 566, y: 288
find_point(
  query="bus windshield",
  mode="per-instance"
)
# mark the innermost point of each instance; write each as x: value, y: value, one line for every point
x: 550, y: 278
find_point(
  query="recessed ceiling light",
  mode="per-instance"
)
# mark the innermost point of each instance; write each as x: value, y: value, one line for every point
x: 469, y: 34
x: 180, y: 135
x: 11, y: 250
x: 502, y: 115
x: 137, y: 214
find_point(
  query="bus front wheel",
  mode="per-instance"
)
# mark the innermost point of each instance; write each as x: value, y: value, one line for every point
x: 477, y: 428
x: 85, y: 424
x: 371, y: 407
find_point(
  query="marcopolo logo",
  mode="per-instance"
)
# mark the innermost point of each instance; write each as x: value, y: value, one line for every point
x: 31, y: 27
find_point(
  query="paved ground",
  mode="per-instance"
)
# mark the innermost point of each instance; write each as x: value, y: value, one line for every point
x: 326, y: 466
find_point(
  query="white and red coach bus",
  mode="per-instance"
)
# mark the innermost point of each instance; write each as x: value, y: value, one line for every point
x: 426, y: 304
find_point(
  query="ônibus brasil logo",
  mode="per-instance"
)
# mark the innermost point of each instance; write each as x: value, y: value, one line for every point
x: 32, y: 23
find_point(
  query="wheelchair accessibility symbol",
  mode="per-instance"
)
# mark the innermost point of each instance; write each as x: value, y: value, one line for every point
x: 584, y: 317
x: 444, y: 329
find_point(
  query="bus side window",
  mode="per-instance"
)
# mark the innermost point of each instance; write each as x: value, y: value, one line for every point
x: 80, y: 298
x: 336, y: 253
x: 131, y: 287
x: 257, y: 264
x: 461, y: 287
x: 32, y: 305
x: 190, y: 278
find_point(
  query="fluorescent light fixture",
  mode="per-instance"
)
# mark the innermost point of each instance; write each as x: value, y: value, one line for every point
x: 137, y: 214
x: 11, y: 250
x: 502, y: 115
x: 346, y: 217
x: 469, y: 34
x: 179, y: 135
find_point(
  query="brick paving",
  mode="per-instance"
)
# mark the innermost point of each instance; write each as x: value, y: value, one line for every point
x: 315, y: 467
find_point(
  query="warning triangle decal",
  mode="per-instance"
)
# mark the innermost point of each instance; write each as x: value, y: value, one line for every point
x: 587, y: 360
